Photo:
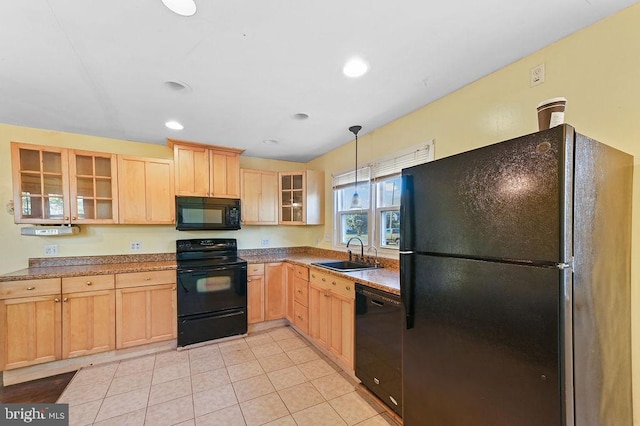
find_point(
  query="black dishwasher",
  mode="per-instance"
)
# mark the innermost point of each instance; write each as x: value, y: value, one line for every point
x: 379, y: 344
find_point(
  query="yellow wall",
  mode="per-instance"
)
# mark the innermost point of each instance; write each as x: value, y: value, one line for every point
x: 16, y: 249
x: 596, y: 69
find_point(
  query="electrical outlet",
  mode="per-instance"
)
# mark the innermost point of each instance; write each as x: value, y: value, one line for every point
x: 135, y: 246
x: 265, y: 243
x: 51, y: 250
x: 536, y: 75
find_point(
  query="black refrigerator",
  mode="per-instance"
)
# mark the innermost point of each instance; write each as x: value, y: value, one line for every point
x: 515, y: 284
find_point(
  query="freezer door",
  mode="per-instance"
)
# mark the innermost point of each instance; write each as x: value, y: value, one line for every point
x: 511, y: 200
x: 483, y: 347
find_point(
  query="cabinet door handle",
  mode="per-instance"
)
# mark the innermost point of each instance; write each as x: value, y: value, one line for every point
x: 74, y: 218
x: 324, y: 280
x: 56, y: 300
x: 66, y: 218
x: 248, y: 280
x: 333, y: 282
x: 65, y: 299
x: 313, y: 275
x: 300, y: 291
x: 89, y: 283
x: 148, y: 279
x: 173, y: 288
x: 327, y: 295
x: 31, y: 288
x: 348, y: 287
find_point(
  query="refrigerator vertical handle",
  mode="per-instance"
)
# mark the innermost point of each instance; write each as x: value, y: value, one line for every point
x: 407, y: 220
x: 407, y: 287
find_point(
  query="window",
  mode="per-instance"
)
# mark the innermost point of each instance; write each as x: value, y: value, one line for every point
x: 388, y: 211
x: 377, y: 220
x: 353, y: 221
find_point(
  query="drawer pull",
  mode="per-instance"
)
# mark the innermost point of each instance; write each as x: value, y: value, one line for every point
x: 31, y: 288
x: 56, y: 300
x: 324, y: 280
x: 313, y: 276
x: 333, y: 282
x: 348, y: 287
x: 89, y: 283
x: 299, y: 291
x: 299, y: 317
x: 148, y: 279
x: 327, y: 295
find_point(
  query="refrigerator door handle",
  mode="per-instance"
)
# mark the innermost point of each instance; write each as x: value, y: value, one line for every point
x: 407, y: 287
x: 407, y: 225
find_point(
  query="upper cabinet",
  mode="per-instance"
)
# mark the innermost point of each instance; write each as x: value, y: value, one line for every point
x: 54, y: 185
x: 146, y: 192
x: 301, y: 195
x: 259, y: 197
x: 206, y: 170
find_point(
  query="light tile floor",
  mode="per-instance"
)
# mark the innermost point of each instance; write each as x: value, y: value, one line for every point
x: 274, y: 377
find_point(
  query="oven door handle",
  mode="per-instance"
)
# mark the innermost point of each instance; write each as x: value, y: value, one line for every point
x: 211, y: 268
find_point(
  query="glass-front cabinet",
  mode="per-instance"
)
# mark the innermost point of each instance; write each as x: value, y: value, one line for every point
x: 61, y: 186
x: 301, y: 196
x: 291, y: 198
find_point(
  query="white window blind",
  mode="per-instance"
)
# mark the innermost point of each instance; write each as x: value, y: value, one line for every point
x: 346, y: 179
x: 409, y: 157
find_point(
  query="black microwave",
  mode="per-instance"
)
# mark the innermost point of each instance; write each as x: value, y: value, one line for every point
x: 207, y: 213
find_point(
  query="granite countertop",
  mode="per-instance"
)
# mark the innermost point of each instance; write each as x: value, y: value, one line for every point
x: 386, y: 278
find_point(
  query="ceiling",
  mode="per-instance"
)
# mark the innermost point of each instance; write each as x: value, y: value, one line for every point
x: 100, y: 67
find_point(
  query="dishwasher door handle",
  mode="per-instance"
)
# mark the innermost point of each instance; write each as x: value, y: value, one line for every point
x: 375, y: 302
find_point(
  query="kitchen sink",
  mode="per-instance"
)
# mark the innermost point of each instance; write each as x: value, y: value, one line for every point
x: 345, y: 265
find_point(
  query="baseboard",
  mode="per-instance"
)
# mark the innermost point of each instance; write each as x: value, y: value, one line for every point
x: 33, y: 372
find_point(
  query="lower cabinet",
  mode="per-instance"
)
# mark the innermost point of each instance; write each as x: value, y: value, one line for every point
x: 31, y: 327
x: 145, y: 308
x: 88, y: 315
x: 255, y: 293
x: 275, y: 303
x: 266, y: 292
x: 332, y: 314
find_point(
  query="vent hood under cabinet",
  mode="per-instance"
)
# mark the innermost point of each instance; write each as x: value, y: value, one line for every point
x: 50, y: 230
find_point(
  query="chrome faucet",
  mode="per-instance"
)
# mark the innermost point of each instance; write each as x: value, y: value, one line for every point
x: 377, y: 262
x: 361, y: 247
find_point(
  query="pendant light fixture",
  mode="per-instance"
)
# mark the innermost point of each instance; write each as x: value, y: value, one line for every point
x: 355, y: 200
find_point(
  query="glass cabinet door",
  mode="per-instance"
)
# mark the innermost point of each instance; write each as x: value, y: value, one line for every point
x: 40, y: 184
x: 292, y: 198
x: 93, y: 187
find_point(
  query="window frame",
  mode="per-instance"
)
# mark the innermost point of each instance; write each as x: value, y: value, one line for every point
x: 376, y: 172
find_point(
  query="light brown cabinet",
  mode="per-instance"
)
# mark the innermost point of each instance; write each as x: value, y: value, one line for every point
x: 275, y: 291
x: 145, y: 308
x: 299, y: 295
x: 88, y: 315
x: 255, y: 293
x: 300, y: 198
x: 331, y: 314
x: 146, y: 191
x: 53, y: 185
x: 289, y: 279
x: 266, y: 292
x: 259, y: 197
x: 31, y: 315
x: 206, y: 170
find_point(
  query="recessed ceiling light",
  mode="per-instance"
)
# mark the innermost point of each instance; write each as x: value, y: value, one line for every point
x: 300, y: 116
x: 178, y: 86
x: 174, y: 125
x: 270, y: 142
x: 355, y: 67
x: 181, y: 7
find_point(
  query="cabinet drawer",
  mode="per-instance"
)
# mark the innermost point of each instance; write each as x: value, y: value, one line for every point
x: 301, y: 291
x: 138, y: 279
x: 88, y: 283
x: 255, y: 269
x: 343, y: 286
x: 28, y: 288
x: 301, y: 317
x: 301, y: 272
